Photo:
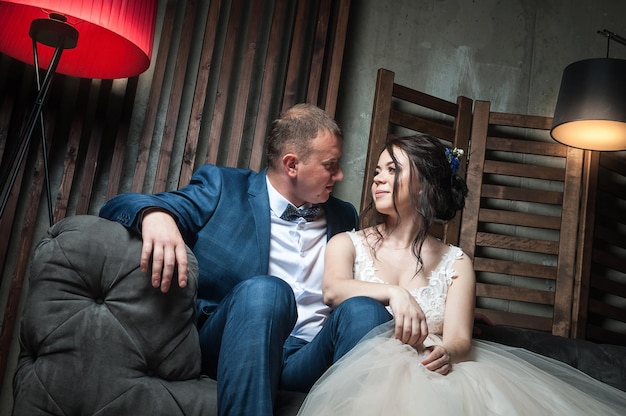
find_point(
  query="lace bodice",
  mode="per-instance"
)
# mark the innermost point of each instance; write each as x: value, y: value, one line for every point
x: 431, y: 298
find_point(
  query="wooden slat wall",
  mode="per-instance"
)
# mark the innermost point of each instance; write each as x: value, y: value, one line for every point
x: 210, y: 98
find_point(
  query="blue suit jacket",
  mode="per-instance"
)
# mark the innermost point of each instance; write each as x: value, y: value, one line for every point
x: 224, y: 216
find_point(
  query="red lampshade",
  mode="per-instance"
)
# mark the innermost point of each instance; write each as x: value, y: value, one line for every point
x: 114, y: 36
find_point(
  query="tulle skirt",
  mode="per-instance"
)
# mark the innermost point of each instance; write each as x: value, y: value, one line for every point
x: 382, y: 376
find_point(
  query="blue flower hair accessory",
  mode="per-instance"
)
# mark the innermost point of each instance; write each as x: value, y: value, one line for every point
x: 453, y: 156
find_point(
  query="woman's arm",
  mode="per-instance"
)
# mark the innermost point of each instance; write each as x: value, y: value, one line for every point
x: 339, y: 284
x: 458, y: 319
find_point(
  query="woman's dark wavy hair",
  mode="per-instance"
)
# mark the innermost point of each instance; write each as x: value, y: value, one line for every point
x: 443, y: 193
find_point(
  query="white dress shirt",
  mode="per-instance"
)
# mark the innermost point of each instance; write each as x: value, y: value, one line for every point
x: 297, y: 257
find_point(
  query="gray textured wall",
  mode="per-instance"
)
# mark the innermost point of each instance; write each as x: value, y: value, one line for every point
x: 509, y: 52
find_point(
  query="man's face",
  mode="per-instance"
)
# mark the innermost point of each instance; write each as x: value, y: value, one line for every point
x: 317, y: 175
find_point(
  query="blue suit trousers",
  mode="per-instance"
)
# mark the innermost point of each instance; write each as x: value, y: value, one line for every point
x: 246, y: 344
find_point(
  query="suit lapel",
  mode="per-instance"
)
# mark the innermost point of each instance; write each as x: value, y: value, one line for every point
x: 340, y: 217
x: 336, y: 217
x: 260, y: 205
x: 331, y: 220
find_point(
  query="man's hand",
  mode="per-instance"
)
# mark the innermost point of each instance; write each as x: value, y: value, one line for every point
x: 163, y: 243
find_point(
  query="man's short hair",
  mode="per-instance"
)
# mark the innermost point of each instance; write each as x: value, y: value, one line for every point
x: 294, y: 129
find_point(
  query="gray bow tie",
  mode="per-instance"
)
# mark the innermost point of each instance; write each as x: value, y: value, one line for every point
x: 291, y: 213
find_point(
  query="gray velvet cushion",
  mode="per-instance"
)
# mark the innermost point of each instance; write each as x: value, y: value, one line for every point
x: 96, y: 338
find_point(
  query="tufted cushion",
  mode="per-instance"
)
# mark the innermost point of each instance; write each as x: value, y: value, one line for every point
x: 96, y: 338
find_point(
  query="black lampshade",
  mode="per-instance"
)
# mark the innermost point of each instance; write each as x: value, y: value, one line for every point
x: 591, y: 108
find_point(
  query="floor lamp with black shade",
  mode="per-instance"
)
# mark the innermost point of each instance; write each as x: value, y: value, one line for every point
x: 590, y: 112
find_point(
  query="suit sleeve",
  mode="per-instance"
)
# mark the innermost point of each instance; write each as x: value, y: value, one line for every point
x: 192, y: 206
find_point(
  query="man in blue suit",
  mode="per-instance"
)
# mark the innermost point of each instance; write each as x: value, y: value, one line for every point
x: 262, y: 321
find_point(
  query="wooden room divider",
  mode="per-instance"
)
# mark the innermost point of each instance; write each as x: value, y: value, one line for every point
x: 520, y: 221
x: 543, y: 222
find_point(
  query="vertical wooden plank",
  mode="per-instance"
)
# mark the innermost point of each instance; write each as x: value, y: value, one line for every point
x: 480, y: 127
x: 295, y: 71
x: 568, y: 238
x: 6, y: 222
x: 269, y: 75
x: 336, y: 59
x: 243, y: 90
x: 121, y: 140
x: 25, y: 243
x: 153, y: 100
x: 13, y: 78
x: 319, y: 49
x: 462, y: 130
x: 93, y: 150
x: 6, y: 109
x: 584, y: 255
x: 200, y: 92
x: 23, y: 90
x: 378, y: 128
x: 226, y: 73
x: 173, y: 105
x: 72, y: 150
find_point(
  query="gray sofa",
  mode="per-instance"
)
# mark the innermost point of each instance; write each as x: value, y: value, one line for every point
x: 604, y: 362
x: 96, y: 338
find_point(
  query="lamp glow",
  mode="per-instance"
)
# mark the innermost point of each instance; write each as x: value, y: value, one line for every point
x: 115, y: 36
x: 591, y: 108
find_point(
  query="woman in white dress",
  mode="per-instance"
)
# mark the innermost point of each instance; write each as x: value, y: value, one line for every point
x: 425, y: 361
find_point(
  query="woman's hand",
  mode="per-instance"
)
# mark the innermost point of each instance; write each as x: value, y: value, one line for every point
x: 411, y: 327
x: 437, y: 359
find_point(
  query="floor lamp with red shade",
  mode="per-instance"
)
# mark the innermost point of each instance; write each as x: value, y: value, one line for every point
x: 104, y: 39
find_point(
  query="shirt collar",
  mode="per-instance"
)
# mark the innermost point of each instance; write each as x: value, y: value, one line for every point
x: 278, y: 203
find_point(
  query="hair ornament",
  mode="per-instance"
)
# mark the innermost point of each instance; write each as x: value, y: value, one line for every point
x: 453, y: 156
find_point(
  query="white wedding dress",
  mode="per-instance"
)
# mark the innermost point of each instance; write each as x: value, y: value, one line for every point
x: 382, y: 376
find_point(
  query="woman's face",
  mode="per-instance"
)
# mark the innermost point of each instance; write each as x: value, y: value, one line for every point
x: 384, y: 176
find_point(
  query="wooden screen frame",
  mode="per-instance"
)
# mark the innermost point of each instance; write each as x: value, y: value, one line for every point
x: 387, y: 113
x: 475, y: 214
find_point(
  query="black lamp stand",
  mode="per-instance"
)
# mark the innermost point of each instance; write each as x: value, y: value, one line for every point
x: 53, y: 32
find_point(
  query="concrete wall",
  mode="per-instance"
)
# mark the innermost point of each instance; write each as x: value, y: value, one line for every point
x: 509, y: 52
